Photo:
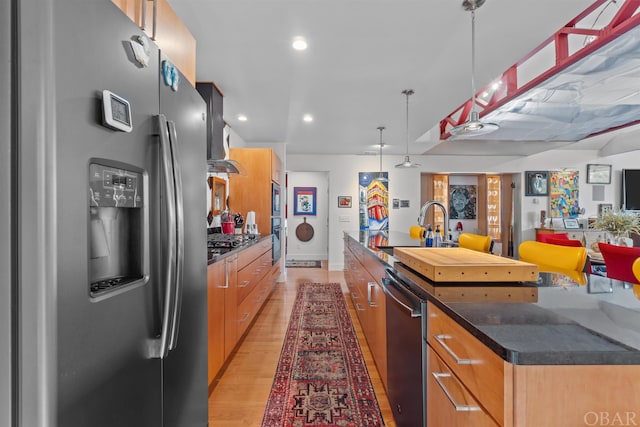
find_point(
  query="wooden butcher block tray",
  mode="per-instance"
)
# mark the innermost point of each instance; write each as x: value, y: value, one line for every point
x: 465, y: 265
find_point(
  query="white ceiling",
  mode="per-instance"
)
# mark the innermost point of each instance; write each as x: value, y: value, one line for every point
x: 361, y: 55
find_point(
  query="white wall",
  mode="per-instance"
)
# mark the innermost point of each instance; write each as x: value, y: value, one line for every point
x: 404, y: 184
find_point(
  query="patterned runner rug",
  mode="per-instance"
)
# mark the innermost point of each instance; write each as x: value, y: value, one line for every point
x: 321, y: 379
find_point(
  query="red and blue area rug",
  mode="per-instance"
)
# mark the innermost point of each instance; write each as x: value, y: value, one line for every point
x: 321, y: 379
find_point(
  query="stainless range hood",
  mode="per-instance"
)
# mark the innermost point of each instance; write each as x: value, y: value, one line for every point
x: 217, y: 157
x: 225, y: 166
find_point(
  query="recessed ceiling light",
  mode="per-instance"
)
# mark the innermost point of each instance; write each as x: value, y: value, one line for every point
x: 299, y: 43
x: 242, y: 118
x: 307, y: 118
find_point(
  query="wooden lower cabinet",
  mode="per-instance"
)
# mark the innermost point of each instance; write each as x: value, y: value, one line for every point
x: 363, y: 274
x: 576, y: 395
x: 222, y: 307
x: 238, y: 286
x: 449, y: 402
x: 475, y: 387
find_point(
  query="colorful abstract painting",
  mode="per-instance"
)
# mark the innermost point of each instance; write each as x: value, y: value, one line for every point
x: 373, y: 200
x: 563, y: 194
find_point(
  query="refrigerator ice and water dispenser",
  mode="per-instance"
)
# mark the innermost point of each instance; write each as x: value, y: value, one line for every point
x: 116, y: 233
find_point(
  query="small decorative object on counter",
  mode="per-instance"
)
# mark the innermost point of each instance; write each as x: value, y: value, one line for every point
x: 437, y: 240
x: 429, y: 239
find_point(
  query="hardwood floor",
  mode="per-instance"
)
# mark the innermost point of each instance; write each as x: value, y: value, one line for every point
x: 241, y: 391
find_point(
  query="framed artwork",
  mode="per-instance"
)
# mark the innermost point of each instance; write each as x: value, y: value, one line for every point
x: 462, y: 201
x: 344, y: 201
x: 373, y: 206
x: 304, y: 200
x: 604, y: 207
x: 571, y: 223
x: 564, y: 192
x: 537, y: 183
x: 598, y: 174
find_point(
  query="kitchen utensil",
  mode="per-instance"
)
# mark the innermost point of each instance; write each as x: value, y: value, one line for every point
x: 238, y: 223
x: 304, y: 231
x: 227, y: 227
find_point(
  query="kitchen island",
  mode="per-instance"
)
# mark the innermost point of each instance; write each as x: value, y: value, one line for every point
x: 571, y: 358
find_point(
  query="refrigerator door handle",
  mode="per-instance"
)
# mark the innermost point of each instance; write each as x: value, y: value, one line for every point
x: 179, y: 207
x: 160, y: 347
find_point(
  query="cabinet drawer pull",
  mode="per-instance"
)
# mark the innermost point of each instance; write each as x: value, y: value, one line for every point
x: 459, y: 408
x: 440, y: 338
x: 226, y: 276
x: 244, y: 318
x: 370, y: 290
x: 244, y: 284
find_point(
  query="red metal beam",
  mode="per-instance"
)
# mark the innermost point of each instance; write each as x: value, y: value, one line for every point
x: 624, y: 20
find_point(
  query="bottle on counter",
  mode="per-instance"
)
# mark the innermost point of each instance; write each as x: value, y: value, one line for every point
x: 429, y: 240
x: 437, y: 239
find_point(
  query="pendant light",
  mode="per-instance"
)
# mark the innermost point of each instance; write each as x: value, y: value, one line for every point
x: 407, y: 162
x: 473, y: 126
x: 381, y: 178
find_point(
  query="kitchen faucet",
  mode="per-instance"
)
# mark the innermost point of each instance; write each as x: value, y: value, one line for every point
x: 423, y: 213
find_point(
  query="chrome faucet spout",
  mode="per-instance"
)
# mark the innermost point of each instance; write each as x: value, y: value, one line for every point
x: 423, y: 213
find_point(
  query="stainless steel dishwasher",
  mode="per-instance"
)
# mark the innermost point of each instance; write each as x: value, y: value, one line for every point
x: 406, y: 350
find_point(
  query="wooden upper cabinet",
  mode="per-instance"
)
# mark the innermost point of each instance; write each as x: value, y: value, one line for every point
x: 252, y: 192
x: 172, y: 36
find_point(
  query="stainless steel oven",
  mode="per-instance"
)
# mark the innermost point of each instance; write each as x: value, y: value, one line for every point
x: 275, y: 199
x: 275, y: 232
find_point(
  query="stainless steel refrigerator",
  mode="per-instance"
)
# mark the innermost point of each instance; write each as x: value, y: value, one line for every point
x: 102, y: 238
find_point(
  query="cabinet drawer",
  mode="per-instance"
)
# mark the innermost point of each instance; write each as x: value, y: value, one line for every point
x: 249, y: 276
x: 247, y: 256
x: 482, y: 371
x: 449, y: 402
x: 248, y: 308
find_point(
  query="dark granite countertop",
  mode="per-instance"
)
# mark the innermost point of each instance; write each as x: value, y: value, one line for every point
x: 571, y: 324
x: 227, y: 252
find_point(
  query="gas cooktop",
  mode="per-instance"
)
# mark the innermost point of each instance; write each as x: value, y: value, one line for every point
x: 218, y: 244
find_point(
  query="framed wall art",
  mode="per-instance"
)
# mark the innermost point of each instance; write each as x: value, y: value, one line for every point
x: 373, y: 207
x: 537, y: 183
x: 598, y: 174
x: 344, y: 201
x: 304, y: 200
x: 462, y: 201
x: 564, y: 191
x: 571, y: 223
